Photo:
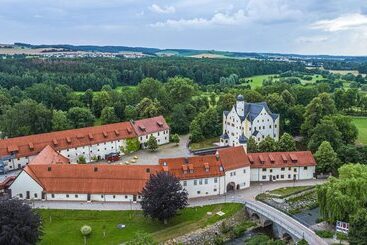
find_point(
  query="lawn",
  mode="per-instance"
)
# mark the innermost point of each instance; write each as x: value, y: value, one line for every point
x: 257, y: 81
x: 287, y: 191
x: 204, y: 144
x: 63, y: 226
x: 361, y: 124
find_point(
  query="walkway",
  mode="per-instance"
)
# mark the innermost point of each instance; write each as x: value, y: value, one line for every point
x: 247, y: 194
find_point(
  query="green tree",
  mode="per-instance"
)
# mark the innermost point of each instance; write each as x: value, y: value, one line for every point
x: 358, y: 229
x: 148, y: 108
x: 226, y: 102
x: 108, y: 115
x: 196, y: 132
x: 175, y: 138
x: 319, y: 107
x: 294, y: 118
x: 267, y: 145
x: 150, y: 88
x: 286, y: 143
x: 326, y: 158
x: 326, y: 130
x: 80, y: 117
x: 130, y: 112
x: 180, y: 89
x: 252, y: 146
x: 182, y: 115
x: 152, y: 144
x: 132, y: 145
x: 100, y: 100
x: 88, y: 98
x: 25, y: 118
x: 346, y: 127
x: 341, y: 198
x: 60, y: 120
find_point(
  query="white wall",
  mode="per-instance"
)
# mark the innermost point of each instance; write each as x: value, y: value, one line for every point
x: 204, y: 186
x: 24, y: 183
x: 287, y: 173
x: 240, y: 177
x: 161, y: 136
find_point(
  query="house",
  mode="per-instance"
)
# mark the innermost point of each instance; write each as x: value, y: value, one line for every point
x: 91, y: 142
x: 49, y: 175
x: 273, y: 166
x: 247, y: 120
x: 155, y: 126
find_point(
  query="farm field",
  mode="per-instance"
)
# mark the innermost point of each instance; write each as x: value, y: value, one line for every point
x: 361, y: 124
x: 256, y: 81
x: 63, y: 226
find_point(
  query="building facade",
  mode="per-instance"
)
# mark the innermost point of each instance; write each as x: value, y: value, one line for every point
x: 49, y: 175
x: 92, y: 143
x: 247, y: 120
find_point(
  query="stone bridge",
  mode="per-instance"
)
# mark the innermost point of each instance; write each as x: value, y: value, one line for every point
x: 284, y: 226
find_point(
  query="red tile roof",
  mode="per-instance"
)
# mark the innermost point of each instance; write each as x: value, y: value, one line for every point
x: 7, y: 182
x: 193, y: 167
x: 92, y: 178
x: 33, y: 144
x: 281, y: 159
x: 150, y: 125
x: 233, y: 158
x: 49, y: 156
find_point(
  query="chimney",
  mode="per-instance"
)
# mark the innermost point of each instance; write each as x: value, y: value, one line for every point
x: 217, y: 155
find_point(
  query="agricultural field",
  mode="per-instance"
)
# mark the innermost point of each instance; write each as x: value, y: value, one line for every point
x: 256, y: 81
x: 63, y: 226
x: 361, y: 124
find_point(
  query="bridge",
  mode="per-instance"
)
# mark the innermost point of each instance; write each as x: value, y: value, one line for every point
x: 284, y: 226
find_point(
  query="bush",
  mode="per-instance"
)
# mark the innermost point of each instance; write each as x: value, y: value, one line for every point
x: 341, y: 236
x: 302, y: 242
x: 82, y: 160
x: 218, y: 240
x: 325, y: 234
x: 132, y: 145
x: 225, y: 228
x: 239, y: 229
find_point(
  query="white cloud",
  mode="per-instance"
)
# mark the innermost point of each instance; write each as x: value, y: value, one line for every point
x: 217, y: 19
x: 312, y: 39
x: 344, y: 22
x: 162, y: 10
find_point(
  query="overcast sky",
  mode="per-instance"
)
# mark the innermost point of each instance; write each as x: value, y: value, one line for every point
x: 286, y: 26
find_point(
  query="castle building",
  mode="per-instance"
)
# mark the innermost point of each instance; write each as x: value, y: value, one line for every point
x: 247, y: 120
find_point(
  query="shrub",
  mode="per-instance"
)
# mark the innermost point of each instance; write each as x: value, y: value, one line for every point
x: 82, y: 160
x: 225, y: 228
x: 325, y: 233
x: 218, y: 240
x: 341, y: 236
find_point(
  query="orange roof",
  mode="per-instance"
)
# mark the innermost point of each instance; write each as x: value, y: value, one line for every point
x: 33, y: 144
x: 49, y: 156
x: 200, y: 166
x: 233, y: 158
x: 92, y: 178
x: 281, y: 159
x: 7, y: 182
x: 150, y: 125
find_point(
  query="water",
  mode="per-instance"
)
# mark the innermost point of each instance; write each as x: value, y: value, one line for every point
x: 268, y: 230
x: 308, y: 217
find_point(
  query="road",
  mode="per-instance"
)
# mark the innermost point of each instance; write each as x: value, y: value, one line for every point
x: 247, y: 194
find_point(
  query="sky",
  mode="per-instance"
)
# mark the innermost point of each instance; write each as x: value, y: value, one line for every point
x: 336, y: 27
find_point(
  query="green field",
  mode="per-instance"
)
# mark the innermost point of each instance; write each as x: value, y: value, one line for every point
x: 63, y: 226
x: 287, y: 191
x: 204, y: 144
x: 361, y: 124
x: 256, y: 81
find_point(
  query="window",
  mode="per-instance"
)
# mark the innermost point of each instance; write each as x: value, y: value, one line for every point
x: 289, y: 176
x: 113, y: 196
x: 53, y: 195
x: 244, y: 171
x: 185, y: 183
x: 244, y: 183
x: 282, y: 176
x: 20, y: 195
x: 295, y: 170
x: 305, y: 168
x: 101, y: 196
x: 198, y: 192
x: 215, y: 180
x: 76, y: 196
x: 35, y: 195
x: 125, y: 197
x: 264, y: 169
x: 264, y: 177
x: 277, y: 176
x: 200, y: 181
x: 195, y: 182
x: 67, y: 195
x: 282, y: 169
x: 289, y: 168
x: 206, y: 181
x: 215, y: 190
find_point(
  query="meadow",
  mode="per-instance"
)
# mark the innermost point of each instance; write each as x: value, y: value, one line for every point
x: 361, y: 124
x: 63, y: 226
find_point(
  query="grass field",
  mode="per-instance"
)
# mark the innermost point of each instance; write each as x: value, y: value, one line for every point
x: 63, y: 226
x: 286, y: 191
x: 361, y: 124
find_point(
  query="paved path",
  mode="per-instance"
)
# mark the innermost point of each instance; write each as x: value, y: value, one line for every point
x: 247, y: 194
x: 285, y: 221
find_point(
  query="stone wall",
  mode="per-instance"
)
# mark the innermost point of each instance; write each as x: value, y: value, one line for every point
x: 208, y: 234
